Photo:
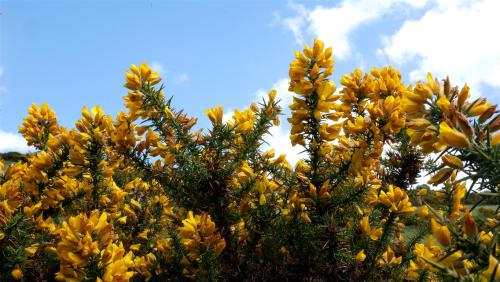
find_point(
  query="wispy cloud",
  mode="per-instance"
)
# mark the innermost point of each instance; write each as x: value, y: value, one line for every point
x: 334, y: 25
x: 180, y: 78
x: 156, y: 66
x: 163, y: 72
x: 3, y: 88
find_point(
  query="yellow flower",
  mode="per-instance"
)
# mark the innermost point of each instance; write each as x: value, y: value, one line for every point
x: 199, y: 231
x: 441, y: 233
x: 495, y: 139
x: 361, y: 255
x: 493, y: 271
x: 443, y: 104
x: 422, y: 192
x: 441, y: 176
x: 365, y: 225
x: 135, y: 247
x: 452, y: 161
x: 308, y: 73
x: 215, y: 115
x: 17, y: 274
x: 452, y: 137
x: 376, y: 234
x: 470, y: 226
x: 262, y: 199
x: 396, y: 200
x: 423, y: 211
x: 463, y: 96
x: 478, y: 109
x: 81, y: 238
x: 413, y: 271
x: 389, y: 257
x: 140, y: 76
x: 30, y: 251
x: 116, y: 263
x: 244, y: 121
x: 143, y: 235
x: 486, y: 237
x: 40, y: 123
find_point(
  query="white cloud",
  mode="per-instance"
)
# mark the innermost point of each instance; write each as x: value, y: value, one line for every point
x: 180, y: 78
x: 162, y: 72
x: 3, y: 88
x: 13, y: 142
x: 278, y: 137
x: 295, y: 23
x: 454, y: 38
x: 282, y: 93
x: 228, y: 115
x: 334, y: 25
x: 156, y: 66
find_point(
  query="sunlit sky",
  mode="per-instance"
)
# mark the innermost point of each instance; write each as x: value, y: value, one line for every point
x: 75, y: 53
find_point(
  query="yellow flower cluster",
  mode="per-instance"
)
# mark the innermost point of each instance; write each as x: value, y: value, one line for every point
x: 439, y: 116
x: 39, y: 125
x: 200, y: 237
x: 308, y: 73
x: 89, y: 240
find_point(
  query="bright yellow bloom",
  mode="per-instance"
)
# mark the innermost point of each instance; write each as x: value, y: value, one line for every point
x: 478, y: 109
x: 17, y: 274
x: 117, y: 264
x: 470, y: 226
x: 396, y: 200
x: 40, y: 123
x: 215, y: 115
x: 389, y: 257
x: 423, y: 211
x: 452, y: 161
x: 81, y: 238
x: 493, y: 271
x: 486, y: 237
x: 243, y: 121
x: 30, y: 251
x: 365, y: 225
x: 459, y: 190
x: 443, y: 104
x: 452, y: 137
x: 141, y: 76
x: 495, y: 139
x: 308, y: 73
x: 199, y: 231
x: 361, y: 256
x: 441, y: 233
x: 441, y: 176
x: 376, y: 234
x: 422, y: 192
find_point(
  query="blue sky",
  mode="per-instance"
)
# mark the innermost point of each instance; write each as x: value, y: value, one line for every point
x: 70, y: 53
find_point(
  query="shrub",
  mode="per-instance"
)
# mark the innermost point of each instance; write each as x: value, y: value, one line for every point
x: 145, y: 196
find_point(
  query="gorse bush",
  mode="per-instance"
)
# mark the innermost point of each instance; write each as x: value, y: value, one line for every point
x: 146, y: 197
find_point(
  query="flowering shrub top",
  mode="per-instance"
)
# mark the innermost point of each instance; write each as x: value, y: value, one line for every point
x: 144, y: 196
